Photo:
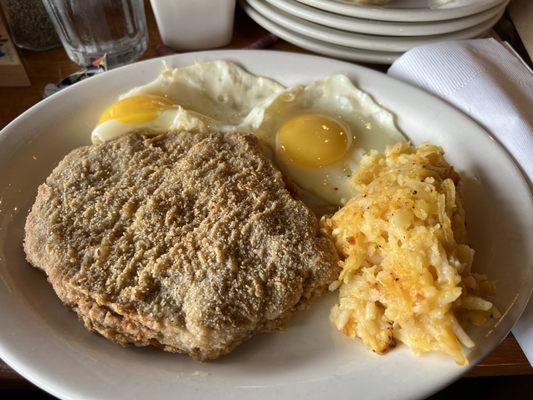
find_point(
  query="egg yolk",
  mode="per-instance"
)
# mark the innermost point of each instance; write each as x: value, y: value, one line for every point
x: 313, y: 140
x: 137, y: 109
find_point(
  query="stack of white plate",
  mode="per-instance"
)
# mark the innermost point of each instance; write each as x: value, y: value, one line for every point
x: 375, y: 34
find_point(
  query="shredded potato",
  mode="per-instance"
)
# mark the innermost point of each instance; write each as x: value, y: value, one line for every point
x: 406, y: 270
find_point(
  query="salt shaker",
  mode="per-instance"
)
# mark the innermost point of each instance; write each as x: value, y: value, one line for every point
x: 194, y: 24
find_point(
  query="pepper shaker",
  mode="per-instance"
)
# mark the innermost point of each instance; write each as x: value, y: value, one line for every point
x: 29, y: 24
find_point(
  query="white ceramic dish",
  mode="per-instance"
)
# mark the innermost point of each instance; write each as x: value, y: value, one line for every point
x: 389, y: 28
x: 46, y: 343
x: 318, y: 46
x: 406, y: 10
x: 194, y: 24
x: 361, y: 41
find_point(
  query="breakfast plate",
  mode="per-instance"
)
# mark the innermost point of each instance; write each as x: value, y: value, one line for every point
x: 361, y: 41
x: 45, y: 343
x: 376, y: 27
x: 406, y: 10
x: 319, y: 46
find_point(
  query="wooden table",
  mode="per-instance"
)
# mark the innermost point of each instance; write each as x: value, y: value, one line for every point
x: 53, y: 65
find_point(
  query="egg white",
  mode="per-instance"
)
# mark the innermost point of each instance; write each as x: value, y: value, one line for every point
x: 369, y: 125
x: 213, y: 95
x: 219, y: 90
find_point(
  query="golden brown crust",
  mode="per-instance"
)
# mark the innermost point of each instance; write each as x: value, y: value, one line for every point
x: 190, y: 242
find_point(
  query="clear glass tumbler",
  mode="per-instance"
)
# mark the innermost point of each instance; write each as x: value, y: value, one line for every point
x: 89, y: 29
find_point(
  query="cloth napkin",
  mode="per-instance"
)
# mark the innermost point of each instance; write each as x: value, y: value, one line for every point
x: 489, y: 82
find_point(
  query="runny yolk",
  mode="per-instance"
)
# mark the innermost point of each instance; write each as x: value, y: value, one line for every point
x: 313, y: 140
x: 137, y: 109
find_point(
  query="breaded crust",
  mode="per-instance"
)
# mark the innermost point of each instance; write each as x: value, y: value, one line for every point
x: 188, y: 242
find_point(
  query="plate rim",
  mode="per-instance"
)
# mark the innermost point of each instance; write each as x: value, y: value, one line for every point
x: 374, y: 27
x: 28, y: 372
x: 330, y: 35
x: 320, y: 47
x: 398, y: 14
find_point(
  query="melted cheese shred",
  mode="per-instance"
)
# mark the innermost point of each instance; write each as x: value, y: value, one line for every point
x: 406, y: 274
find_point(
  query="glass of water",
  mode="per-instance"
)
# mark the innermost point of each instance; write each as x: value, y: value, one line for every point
x: 89, y: 29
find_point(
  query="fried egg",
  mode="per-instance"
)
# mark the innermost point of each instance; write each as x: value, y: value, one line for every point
x: 319, y: 133
x: 315, y: 134
x: 214, y: 95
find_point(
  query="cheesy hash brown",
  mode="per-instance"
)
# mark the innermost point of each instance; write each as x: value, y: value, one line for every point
x: 406, y: 274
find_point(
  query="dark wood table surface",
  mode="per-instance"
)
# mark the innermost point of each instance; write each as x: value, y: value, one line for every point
x: 53, y: 65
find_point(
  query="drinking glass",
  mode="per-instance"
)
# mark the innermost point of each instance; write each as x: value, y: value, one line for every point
x: 89, y: 29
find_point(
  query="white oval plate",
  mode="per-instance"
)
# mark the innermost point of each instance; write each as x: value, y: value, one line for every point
x: 318, y: 46
x: 389, y: 28
x: 46, y: 343
x: 361, y: 41
x: 406, y: 10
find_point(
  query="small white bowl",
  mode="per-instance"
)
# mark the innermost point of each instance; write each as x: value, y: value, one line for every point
x: 194, y: 24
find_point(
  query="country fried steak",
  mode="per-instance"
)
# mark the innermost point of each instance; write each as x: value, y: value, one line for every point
x: 188, y: 242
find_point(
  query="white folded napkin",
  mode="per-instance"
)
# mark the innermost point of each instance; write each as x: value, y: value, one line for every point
x: 489, y: 82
